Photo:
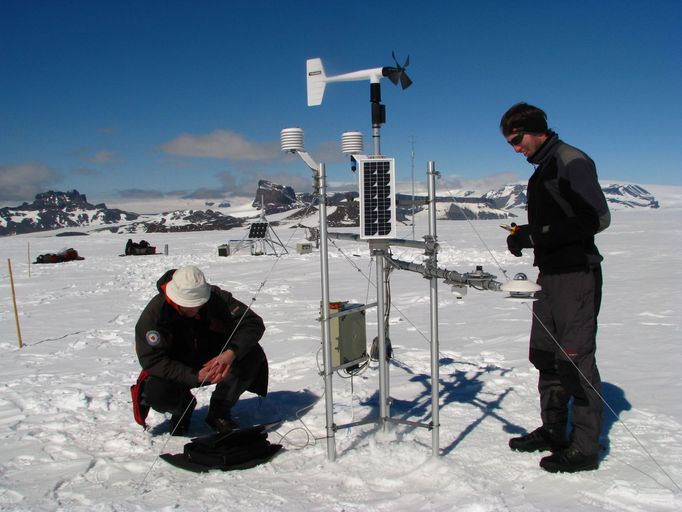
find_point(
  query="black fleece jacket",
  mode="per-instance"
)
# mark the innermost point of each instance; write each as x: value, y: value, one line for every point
x: 566, y: 208
x: 174, y: 347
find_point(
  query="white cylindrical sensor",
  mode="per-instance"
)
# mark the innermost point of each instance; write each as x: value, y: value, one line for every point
x: 351, y: 143
x: 291, y: 139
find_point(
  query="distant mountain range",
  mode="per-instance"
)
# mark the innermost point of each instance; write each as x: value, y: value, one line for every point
x: 629, y: 196
x: 53, y: 210
x: 57, y: 210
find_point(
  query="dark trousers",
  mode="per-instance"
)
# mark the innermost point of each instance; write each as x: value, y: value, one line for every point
x: 164, y: 395
x: 562, y: 348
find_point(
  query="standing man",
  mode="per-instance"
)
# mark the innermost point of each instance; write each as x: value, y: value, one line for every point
x: 566, y: 209
x: 193, y: 334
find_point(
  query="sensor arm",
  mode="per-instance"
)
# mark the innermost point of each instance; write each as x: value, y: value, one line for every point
x: 373, y: 75
x: 317, y: 79
x: 478, y: 279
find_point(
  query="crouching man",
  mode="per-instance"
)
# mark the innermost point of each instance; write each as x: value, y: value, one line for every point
x: 193, y: 334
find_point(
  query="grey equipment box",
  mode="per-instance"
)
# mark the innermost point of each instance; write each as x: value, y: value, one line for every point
x: 224, y: 250
x: 348, y: 334
x: 304, y: 247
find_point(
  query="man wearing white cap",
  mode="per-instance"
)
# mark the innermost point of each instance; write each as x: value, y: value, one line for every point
x: 193, y: 334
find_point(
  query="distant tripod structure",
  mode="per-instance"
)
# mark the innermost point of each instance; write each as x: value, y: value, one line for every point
x: 261, y: 238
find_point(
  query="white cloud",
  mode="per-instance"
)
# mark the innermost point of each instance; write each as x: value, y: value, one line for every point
x: 101, y: 157
x: 246, y: 184
x: 221, y: 144
x: 22, y: 182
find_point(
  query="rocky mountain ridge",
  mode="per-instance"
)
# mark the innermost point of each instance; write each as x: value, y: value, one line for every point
x: 53, y: 210
x: 57, y: 210
x: 629, y: 196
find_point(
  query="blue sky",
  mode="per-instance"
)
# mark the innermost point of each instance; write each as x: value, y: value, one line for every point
x: 133, y: 99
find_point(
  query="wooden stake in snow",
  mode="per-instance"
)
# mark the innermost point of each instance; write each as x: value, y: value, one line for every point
x: 14, y: 301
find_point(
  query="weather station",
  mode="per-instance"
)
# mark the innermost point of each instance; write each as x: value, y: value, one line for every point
x: 346, y: 347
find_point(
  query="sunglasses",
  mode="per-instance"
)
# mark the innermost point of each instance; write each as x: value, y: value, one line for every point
x: 516, y: 139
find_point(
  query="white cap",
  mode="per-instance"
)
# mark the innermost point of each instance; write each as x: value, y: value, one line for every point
x: 188, y: 287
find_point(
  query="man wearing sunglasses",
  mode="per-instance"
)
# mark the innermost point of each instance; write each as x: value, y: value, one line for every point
x: 566, y: 209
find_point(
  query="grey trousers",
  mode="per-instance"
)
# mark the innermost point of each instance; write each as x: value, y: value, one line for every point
x: 167, y: 396
x: 562, y: 348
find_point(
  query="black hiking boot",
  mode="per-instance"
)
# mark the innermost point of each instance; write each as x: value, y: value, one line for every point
x: 569, y: 460
x: 179, y: 423
x: 223, y: 424
x: 540, y: 439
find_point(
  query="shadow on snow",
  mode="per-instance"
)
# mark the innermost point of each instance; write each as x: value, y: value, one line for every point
x: 467, y: 387
x: 276, y: 408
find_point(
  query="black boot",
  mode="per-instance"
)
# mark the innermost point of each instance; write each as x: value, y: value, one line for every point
x: 221, y: 424
x: 179, y: 423
x: 540, y: 439
x: 219, y: 416
x: 569, y: 460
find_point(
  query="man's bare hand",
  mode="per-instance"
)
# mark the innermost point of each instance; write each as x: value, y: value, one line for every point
x: 215, y: 370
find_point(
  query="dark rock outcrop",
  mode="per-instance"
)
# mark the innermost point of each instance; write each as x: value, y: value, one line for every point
x: 274, y: 198
x: 54, y: 210
x: 183, y: 221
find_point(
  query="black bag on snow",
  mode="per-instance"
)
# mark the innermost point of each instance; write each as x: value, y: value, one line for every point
x: 240, y: 449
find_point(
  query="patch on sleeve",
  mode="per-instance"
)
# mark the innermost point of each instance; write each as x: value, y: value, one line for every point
x: 235, y: 311
x: 153, y: 338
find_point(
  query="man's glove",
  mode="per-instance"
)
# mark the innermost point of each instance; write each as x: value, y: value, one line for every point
x: 521, y: 238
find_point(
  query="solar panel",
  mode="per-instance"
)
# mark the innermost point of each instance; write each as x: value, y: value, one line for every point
x: 258, y: 230
x: 377, y: 198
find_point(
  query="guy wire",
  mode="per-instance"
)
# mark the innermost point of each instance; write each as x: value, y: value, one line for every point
x: 480, y: 238
x: 371, y: 283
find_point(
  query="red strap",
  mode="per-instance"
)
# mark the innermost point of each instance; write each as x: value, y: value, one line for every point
x: 140, y: 411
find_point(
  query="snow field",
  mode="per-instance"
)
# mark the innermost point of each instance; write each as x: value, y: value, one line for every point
x: 69, y: 441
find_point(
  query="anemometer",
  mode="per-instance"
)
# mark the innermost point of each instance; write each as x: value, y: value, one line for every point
x: 317, y: 80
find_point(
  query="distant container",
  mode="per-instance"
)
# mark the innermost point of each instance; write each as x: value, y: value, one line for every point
x: 224, y: 250
x: 304, y: 247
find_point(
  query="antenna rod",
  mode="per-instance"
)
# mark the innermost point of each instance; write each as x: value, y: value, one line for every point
x: 433, y: 295
x: 413, y: 205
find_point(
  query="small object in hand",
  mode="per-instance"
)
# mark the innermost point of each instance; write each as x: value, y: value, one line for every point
x: 512, y: 229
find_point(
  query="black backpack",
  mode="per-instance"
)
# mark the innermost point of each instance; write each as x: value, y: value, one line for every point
x: 239, y: 449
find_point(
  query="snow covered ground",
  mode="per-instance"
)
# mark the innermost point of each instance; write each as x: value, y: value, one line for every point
x: 69, y: 441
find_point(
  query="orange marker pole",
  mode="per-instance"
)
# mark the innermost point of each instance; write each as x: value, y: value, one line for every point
x: 14, y: 301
